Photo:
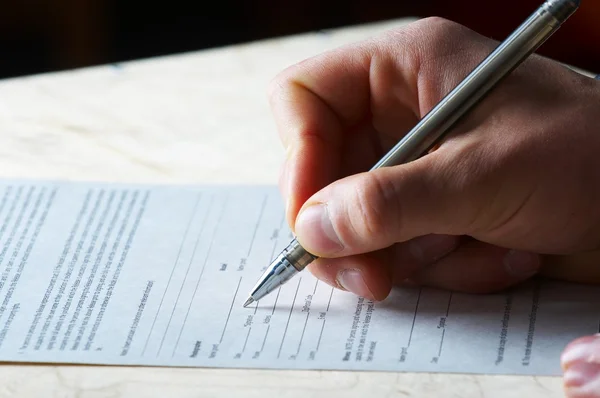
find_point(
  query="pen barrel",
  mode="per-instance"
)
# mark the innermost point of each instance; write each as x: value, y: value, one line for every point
x: 502, y: 61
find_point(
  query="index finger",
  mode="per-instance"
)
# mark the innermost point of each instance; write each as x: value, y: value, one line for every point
x: 316, y: 102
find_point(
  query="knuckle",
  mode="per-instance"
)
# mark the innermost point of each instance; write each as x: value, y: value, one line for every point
x: 439, y: 27
x: 427, y: 35
x: 441, y: 38
x: 433, y: 47
x: 435, y: 27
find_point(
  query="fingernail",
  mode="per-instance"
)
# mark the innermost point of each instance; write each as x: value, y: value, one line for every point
x: 429, y: 248
x: 316, y: 231
x: 521, y: 264
x: 352, y: 281
x: 581, y: 364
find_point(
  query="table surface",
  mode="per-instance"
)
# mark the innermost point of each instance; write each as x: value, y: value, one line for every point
x: 191, y: 118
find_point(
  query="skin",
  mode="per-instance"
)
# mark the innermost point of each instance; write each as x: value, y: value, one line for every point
x: 510, y: 193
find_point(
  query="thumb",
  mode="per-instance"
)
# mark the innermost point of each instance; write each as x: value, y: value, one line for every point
x: 371, y: 211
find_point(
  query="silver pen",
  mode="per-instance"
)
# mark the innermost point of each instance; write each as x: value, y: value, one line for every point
x: 502, y: 61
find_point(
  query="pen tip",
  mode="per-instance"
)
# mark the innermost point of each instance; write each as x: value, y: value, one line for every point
x: 248, y: 302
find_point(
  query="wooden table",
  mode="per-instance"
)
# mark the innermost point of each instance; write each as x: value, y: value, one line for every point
x: 192, y: 118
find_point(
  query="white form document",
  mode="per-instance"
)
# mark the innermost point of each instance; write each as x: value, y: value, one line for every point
x: 156, y: 275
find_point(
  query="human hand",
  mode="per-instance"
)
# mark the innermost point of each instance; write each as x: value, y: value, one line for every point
x: 513, y: 180
x: 517, y: 179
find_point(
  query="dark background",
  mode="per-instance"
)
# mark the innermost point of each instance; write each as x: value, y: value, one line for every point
x: 47, y: 35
